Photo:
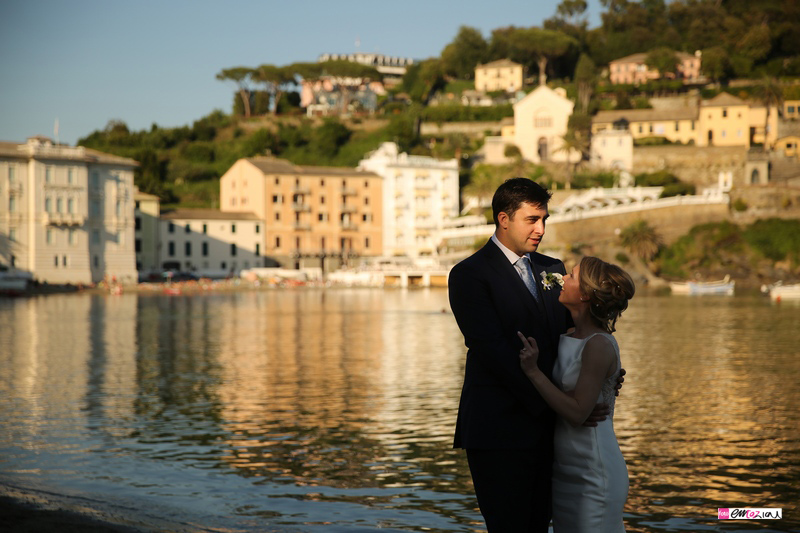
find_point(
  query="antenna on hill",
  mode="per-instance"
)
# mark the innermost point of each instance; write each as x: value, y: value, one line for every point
x: 358, y: 43
x: 55, y: 131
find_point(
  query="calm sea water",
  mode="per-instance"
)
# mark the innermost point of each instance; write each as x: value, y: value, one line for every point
x: 332, y: 410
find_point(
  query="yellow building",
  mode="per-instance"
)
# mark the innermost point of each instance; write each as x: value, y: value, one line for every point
x: 789, y: 146
x: 309, y: 212
x: 501, y: 75
x: 724, y: 120
x: 675, y: 125
x: 791, y: 109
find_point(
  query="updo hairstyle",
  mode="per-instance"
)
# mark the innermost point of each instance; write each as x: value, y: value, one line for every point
x: 608, y: 287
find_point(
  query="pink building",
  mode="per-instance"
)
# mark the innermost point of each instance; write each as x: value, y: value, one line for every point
x: 632, y: 69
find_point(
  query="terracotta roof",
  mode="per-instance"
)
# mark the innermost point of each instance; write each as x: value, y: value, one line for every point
x: 641, y: 56
x: 645, y: 115
x: 723, y: 99
x: 273, y: 165
x: 186, y: 213
x: 499, y: 64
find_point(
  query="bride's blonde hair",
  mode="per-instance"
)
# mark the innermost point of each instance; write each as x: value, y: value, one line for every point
x: 608, y: 287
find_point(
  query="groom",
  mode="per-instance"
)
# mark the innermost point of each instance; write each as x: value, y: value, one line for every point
x: 503, y: 423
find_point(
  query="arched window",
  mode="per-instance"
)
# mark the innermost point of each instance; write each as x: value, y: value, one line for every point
x: 755, y: 177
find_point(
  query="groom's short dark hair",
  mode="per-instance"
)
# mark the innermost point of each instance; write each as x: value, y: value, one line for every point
x: 513, y: 192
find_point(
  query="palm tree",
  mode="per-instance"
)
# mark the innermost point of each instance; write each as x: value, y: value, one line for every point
x: 571, y: 142
x: 770, y: 93
x: 641, y: 239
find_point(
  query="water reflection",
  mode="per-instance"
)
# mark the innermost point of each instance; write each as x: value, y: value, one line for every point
x: 313, y: 406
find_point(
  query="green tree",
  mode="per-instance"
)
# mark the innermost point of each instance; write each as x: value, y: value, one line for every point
x: 423, y: 79
x: 756, y: 43
x: 274, y: 79
x: 662, y: 59
x: 464, y: 53
x: 571, y: 10
x: 327, y: 138
x: 716, y: 63
x: 239, y: 75
x: 542, y: 45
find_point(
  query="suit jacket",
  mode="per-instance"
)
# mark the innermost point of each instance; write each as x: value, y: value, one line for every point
x: 499, y: 407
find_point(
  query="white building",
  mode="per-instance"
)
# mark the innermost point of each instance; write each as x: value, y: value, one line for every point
x: 540, y: 122
x: 146, y: 212
x: 209, y: 242
x: 419, y: 194
x: 613, y: 149
x: 66, y: 213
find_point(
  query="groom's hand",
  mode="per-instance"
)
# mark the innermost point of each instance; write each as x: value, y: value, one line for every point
x: 620, y: 379
x: 598, y: 414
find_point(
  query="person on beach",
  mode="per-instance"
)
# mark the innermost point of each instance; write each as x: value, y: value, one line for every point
x: 503, y: 422
x: 590, y: 480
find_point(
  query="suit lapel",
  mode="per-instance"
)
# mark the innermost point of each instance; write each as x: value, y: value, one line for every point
x: 506, y: 270
x: 545, y: 297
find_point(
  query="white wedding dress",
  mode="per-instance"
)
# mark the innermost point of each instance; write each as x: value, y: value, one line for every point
x: 590, y: 479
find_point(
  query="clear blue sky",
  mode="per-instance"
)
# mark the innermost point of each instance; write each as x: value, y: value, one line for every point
x: 85, y: 62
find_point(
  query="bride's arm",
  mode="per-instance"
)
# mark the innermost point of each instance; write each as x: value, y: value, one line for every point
x: 596, y: 360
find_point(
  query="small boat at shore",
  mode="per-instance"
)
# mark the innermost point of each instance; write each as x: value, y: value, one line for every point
x: 12, y: 284
x: 724, y: 287
x: 778, y: 291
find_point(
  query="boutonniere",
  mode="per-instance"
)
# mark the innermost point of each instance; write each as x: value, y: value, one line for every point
x: 550, y: 279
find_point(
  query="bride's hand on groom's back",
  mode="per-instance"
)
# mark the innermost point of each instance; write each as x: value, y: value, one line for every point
x: 620, y: 380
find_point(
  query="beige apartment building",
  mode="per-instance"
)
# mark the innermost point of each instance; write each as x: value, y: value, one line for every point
x: 310, y: 214
x: 66, y: 213
x: 501, y: 75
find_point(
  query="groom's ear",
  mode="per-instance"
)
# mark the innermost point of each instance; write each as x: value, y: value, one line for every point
x: 502, y: 219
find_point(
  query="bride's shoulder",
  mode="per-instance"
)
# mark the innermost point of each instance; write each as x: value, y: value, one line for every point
x: 601, y: 344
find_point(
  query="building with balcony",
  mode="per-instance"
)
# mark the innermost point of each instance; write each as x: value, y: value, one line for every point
x: 313, y: 216
x: 66, y: 213
x: 500, y: 75
x: 419, y: 195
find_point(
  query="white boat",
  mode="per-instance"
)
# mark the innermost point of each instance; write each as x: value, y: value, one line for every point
x: 723, y: 286
x: 778, y: 291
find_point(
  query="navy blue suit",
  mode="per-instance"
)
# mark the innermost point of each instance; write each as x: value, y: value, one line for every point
x: 503, y: 423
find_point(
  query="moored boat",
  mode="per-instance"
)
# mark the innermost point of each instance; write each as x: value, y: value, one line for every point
x: 724, y: 287
x: 778, y: 291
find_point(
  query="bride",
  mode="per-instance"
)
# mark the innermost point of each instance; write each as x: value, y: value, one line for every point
x: 590, y: 480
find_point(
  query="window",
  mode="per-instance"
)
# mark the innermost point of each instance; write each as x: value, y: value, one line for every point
x: 322, y: 243
x: 651, y: 128
x: 205, y: 249
x: 48, y: 177
x: 137, y: 245
x: 693, y: 125
x: 138, y: 223
x: 187, y: 228
x: 277, y: 216
x: 12, y: 170
x: 71, y: 236
x: 366, y: 201
x: 366, y: 242
x: 233, y: 228
x: 258, y: 228
x: 677, y: 126
x: 48, y: 204
x: 297, y: 242
x: 187, y: 249
x: 223, y: 265
x: 55, y: 260
x: 49, y: 236
x: 277, y: 242
x: 723, y: 134
x: 322, y: 182
x: 724, y: 112
x: 258, y: 249
x: 543, y: 122
x: 70, y: 205
x: 321, y: 199
x: 64, y: 260
x: 95, y: 237
x: 640, y: 128
x: 233, y: 250
x: 59, y: 205
x: 277, y: 181
x: 171, y: 249
x: 171, y: 228
x: 12, y: 234
x: 95, y: 181
x: 12, y: 205
x: 205, y: 229
x: 789, y: 109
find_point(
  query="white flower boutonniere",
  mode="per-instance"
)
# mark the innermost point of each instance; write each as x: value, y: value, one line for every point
x: 550, y: 279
